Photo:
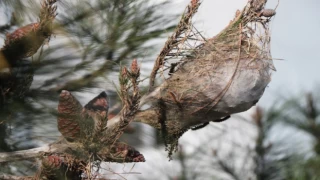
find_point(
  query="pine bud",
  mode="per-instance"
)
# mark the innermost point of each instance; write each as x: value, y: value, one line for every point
x: 135, y: 67
x: 69, y: 110
x: 124, y: 72
x: 194, y: 3
x: 123, y: 78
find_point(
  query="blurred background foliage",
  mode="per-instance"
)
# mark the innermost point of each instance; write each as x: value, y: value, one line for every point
x: 278, y: 143
x: 93, y: 38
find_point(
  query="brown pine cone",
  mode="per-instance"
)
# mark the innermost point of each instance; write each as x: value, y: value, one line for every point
x: 97, y: 109
x: 24, y: 42
x: 69, y: 116
x: 76, y: 122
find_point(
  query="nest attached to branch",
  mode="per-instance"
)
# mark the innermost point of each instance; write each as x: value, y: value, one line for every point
x: 212, y: 78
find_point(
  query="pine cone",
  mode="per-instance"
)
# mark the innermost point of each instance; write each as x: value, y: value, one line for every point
x: 69, y: 116
x: 97, y: 109
x: 24, y: 42
x: 75, y: 122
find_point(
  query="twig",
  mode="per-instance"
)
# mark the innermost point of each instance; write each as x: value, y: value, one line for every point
x: 130, y: 97
x: 28, y: 154
x: 172, y: 41
x: 10, y: 177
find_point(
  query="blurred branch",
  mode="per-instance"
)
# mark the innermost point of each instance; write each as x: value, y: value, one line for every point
x: 228, y: 170
x: 115, y: 32
x: 302, y: 114
x: 86, y: 80
x: 61, y: 148
x: 10, y: 177
x: 30, y: 153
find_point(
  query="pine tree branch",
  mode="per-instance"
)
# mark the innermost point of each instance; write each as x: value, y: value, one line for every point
x: 10, y: 177
x: 109, y: 153
x: 30, y: 153
x: 172, y: 42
